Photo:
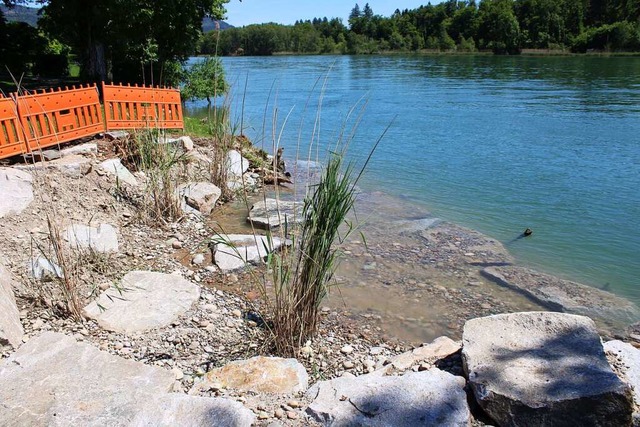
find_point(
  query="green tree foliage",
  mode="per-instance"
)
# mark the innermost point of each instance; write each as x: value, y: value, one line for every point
x: 131, y: 40
x: 501, y: 26
x: 204, y: 80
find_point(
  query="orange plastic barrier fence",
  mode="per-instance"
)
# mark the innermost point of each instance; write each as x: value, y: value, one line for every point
x: 130, y: 107
x: 54, y: 117
x: 11, y: 136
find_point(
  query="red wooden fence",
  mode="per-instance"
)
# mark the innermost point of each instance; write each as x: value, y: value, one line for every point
x: 29, y: 122
x: 53, y: 117
x: 129, y: 107
x: 12, y: 140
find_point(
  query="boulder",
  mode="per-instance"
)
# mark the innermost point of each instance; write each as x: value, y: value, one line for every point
x: 52, y: 380
x: 181, y: 410
x: 428, y: 398
x: 11, y: 331
x: 236, y: 164
x: 16, y: 191
x: 261, y: 374
x: 628, y: 368
x: 144, y: 300
x: 116, y: 168
x: 540, y: 369
x: 563, y: 295
x: 201, y: 196
x: 235, y: 251
x: 101, y: 239
x: 272, y: 213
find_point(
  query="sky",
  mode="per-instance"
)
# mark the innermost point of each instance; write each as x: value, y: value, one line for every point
x: 289, y: 11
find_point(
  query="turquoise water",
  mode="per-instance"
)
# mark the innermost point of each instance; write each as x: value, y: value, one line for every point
x: 497, y: 144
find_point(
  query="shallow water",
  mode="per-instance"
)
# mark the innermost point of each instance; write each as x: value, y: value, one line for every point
x: 493, y: 143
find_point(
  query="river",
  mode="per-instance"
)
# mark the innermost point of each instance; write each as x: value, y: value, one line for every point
x: 495, y: 144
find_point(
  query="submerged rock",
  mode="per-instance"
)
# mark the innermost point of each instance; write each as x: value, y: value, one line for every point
x: 144, y: 300
x: 272, y: 213
x: 428, y: 398
x: 235, y: 251
x: 563, y: 295
x: 540, y: 369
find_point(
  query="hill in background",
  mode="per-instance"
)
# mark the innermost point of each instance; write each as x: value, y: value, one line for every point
x: 30, y: 16
x: 21, y: 14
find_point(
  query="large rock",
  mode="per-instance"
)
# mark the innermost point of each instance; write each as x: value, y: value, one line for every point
x: 101, y: 239
x: 429, y: 398
x: 116, y: 168
x: 628, y: 368
x: 144, y: 300
x: 272, y: 213
x: 11, y: 331
x: 182, y: 410
x: 563, y: 295
x: 16, y: 191
x: 52, y: 380
x: 201, y: 196
x: 542, y: 369
x: 235, y: 251
x: 236, y: 164
x: 261, y: 374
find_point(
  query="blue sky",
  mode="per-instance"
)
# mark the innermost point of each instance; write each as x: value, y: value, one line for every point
x: 288, y: 11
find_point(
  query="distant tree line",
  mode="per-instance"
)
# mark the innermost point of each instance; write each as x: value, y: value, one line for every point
x: 501, y: 26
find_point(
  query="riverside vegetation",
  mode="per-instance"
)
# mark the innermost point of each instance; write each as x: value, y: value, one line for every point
x: 501, y: 26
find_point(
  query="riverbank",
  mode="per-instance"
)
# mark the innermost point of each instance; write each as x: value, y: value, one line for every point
x: 157, y: 310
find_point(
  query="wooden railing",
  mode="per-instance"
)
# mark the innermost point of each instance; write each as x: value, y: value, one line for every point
x: 32, y: 121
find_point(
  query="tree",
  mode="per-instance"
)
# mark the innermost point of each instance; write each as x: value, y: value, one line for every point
x: 499, y: 28
x: 127, y: 36
x: 204, y: 80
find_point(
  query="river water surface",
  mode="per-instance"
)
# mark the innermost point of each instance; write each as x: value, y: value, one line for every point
x: 495, y: 144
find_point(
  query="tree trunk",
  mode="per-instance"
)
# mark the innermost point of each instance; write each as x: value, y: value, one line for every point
x: 96, y: 62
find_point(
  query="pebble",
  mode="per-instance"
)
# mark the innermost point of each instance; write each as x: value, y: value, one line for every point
x: 263, y: 415
x: 347, y: 349
x: 348, y: 364
x: 292, y: 415
x: 279, y: 413
x: 374, y: 351
x: 198, y: 259
x: 237, y: 313
x: 294, y: 404
x: 176, y: 244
